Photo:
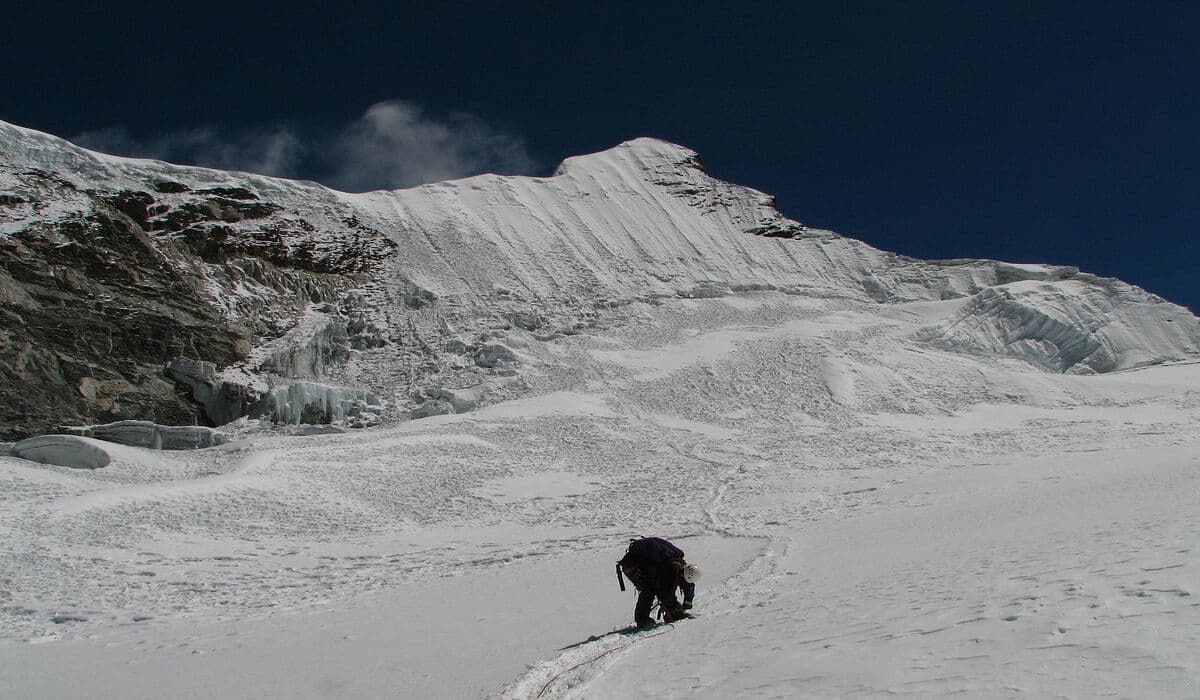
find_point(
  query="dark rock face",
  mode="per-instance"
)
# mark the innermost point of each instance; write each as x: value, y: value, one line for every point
x: 92, y: 309
x: 94, y: 305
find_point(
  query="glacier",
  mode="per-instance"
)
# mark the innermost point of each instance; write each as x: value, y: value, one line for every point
x: 399, y: 293
x: 901, y: 477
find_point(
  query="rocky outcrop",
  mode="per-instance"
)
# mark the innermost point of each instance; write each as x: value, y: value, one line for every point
x: 495, y: 354
x: 103, y: 284
x: 92, y: 308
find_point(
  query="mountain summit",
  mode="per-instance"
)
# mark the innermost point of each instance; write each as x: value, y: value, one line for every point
x: 140, y: 289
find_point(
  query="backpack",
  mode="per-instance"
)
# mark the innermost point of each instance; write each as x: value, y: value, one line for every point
x: 647, y: 549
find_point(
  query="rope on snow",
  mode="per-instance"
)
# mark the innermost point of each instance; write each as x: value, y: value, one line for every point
x: 594, y: 658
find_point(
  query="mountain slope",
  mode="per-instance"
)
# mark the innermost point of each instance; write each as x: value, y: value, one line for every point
x: 116, y: 268
x: 899, y: 476
x: 873, y: 516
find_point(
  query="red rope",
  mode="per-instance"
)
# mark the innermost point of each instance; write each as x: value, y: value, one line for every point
x: 594, y: 658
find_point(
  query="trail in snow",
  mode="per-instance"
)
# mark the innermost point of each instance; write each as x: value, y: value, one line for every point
x: 581, y: 662
x: 1067, y: 575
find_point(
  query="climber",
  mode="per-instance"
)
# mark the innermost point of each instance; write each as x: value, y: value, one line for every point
x: 656, y: 567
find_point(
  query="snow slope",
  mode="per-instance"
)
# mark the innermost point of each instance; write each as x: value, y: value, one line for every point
x: 877, y: 517
x: 469, y: 261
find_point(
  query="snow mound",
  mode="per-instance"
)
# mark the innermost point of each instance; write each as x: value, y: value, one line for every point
x: 63, y: 451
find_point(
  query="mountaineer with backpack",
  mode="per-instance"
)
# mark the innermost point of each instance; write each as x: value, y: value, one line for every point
x: 656, y: 568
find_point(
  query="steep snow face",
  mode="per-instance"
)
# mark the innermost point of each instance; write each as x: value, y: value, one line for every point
x: 644, y: 221
x: 638, y: 222
x: 414, y: 283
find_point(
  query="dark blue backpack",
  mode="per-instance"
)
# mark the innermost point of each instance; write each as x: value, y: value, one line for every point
x: 647, y: 553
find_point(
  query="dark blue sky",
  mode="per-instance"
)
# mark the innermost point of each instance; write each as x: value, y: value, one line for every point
x: 1024, y: 131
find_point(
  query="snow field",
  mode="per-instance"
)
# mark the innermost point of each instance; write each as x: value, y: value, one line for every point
x: 869, y: 512
x: 452, y: 636
x: 1064, y: 576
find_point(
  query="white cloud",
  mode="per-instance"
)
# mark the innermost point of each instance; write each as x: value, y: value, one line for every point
x: 394, y: 144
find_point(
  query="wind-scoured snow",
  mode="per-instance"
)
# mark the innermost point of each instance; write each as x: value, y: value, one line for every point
x: 901, y: 477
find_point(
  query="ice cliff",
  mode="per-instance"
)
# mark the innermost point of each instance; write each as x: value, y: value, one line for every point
x: 290, y: 300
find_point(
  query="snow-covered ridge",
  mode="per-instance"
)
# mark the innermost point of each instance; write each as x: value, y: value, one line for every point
x: 421, y: 280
